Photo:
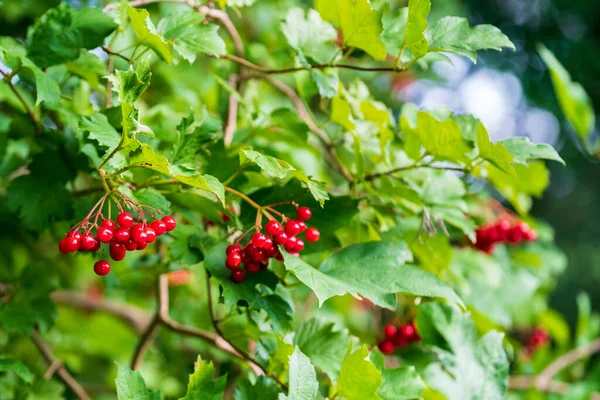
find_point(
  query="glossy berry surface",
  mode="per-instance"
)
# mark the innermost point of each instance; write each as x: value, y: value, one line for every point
x: 109, y: 223
x: 303, y: 214
x: 104, y: 234
x: 150, y: 235
x: 101, y: 267
x: 389, y: 331
x: 233, y: 260
x: 292, y: 228
x: 252, y: 267
x: 159, y: 227
x: 238, y: 275
x: 233, y: 248
x: 169, y: 222
x: 87, y: 242
x: 272, y: 227
x: 260, y: 240
x: 122, y: 235
x: 312, y: 235
x: 125, y: 220
x: 386, y: 347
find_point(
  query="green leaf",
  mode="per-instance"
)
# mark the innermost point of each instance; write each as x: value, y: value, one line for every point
x: 89, y: 68
x: 263, y: 389
x: 528, y: 180
x: 257, y: 290
x: 193, y: 138
x: 9, y: 364
x: 152, y: 198
x: 101, y: 131
x: 341, y: 113
x: 190, y: 36
x: 41, y: 196
x: 404, y: 29
x: 61, y: 32
x: 323, y: 345
x: 47, y: 90
x: 374, y: 270
x: 303, y: 382
x: 359, y: 378
x: 146, y: 33
x: 572, y: 97
x: 453, y: 35
x: 524, y: 151
x: 131, y: 386
x: 309, y: 35
x: 496, y: 153
x: 130, y: 84
x: 202, y: 386
x: 402, y: 383
x: 468, y: 368
x: 361, y: 25
x: 327, y: 82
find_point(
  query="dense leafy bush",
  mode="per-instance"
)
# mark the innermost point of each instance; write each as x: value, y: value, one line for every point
x: 298, y: 232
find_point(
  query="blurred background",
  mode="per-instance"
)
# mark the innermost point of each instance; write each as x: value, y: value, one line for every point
x: 511, y: 93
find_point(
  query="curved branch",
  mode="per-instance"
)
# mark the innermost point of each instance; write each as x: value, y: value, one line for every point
x: 56, y: 364
x: 36, y: 121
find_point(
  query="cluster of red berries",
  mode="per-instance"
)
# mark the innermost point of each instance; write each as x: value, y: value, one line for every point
x: 398, y: 336
x: 124, y: 235
x: 503, y: 232
x: 536, y: 339
x: 261, y: 247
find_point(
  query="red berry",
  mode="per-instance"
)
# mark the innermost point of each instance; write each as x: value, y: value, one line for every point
x: 142, y: 246
x: 237, y: 275
x: 303, y: 214
x: 272, y: 251
x: 131, y: 245
x: 302, y: 226
x: 260, y: 240
x: 117, y: 251
x: 109, y: 223
x: 386, y: 347
x: 389, y: 331
x: 87, y: 242
x: 64, y: 246
x: 502, y: 230
x: 531, y: 235
x: 96, y: 247
x: 292, y: 228
x: 312, y: 234
x: 224, y: 217
x: 272, y: 227
x: 122, y: 235
x: 138, y: 233
x: 400, y: 340
x: 159, y: 227
x: 233, y: 260
x: 150, y: 235
x: 252, y: 267
x: 125, y: 220
x: 233, y: 248
x: 75, y: 234
x: 408, y: 331
x: 290, y: 245
x: 515, y: 235
x: 169, y: 222
x: 279, y: 256
x: 255, y: 254
x: 280, y: 238
x: 104, y: 234
x: 101, y: 267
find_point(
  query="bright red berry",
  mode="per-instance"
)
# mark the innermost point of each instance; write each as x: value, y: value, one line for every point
x: 531, y: 235
x: 280, y: 238
x: 96, y: 247
x: 272, y: 251
x: 237, y: 275
x: 117, y: 251
x: 138, y: 233
x: 169, y: 222
x: 64, y: 246
x: 233, y: 260
x: 292, y: 228
x: 125, y: 220
x: 255, y: 254
x: 87, y: 242
x: 122, y: 235
x: 142, y: 246
x: 273, y: 227
x: 104, y: 234
x: 101, y: 267
x: 233, y: 248
x: 312, y: 234
x: 159, y: 227
x: 502, y: 230
x: 109, y: 223
x: 290, y: 245
x: 407, y: 330
x: 131, y: 245
x: 386, y: 347
x: 259, y: 240
x: 303, y: 214
x: 252, y: 267
x: 75, y: 234
x: 389, y: 331
x: 302, y: 226
x: 150, y: 235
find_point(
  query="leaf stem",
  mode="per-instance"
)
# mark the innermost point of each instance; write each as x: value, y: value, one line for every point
x: 36, y: 122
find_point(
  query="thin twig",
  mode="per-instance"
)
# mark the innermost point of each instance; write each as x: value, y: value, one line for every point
x: 144, y: 343
x: 306, y: 117
x: 265, y: 70
x: 36, y: 121
x: 409, y: 167
x: 114, y: 53
x: 232, y: 113
x: 62, y: 373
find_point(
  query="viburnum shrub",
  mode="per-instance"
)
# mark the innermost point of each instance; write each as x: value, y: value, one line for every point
x: 312, y: 206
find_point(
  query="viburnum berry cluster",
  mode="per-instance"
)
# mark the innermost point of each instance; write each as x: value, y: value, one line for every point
x: 262, y: 246
x: 128, y: 233
x: 398, y: 336
x: 537, y: 338
x: 503, y: 231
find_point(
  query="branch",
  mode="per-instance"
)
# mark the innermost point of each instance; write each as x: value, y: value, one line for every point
x: 544, y: 382
x: 232, y: 113
x: 114, y: 53
x: 57, y: 365
x: 374, y: 176
x: 265, y: 70
x: 305, y: 116
x: 36, y: 121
